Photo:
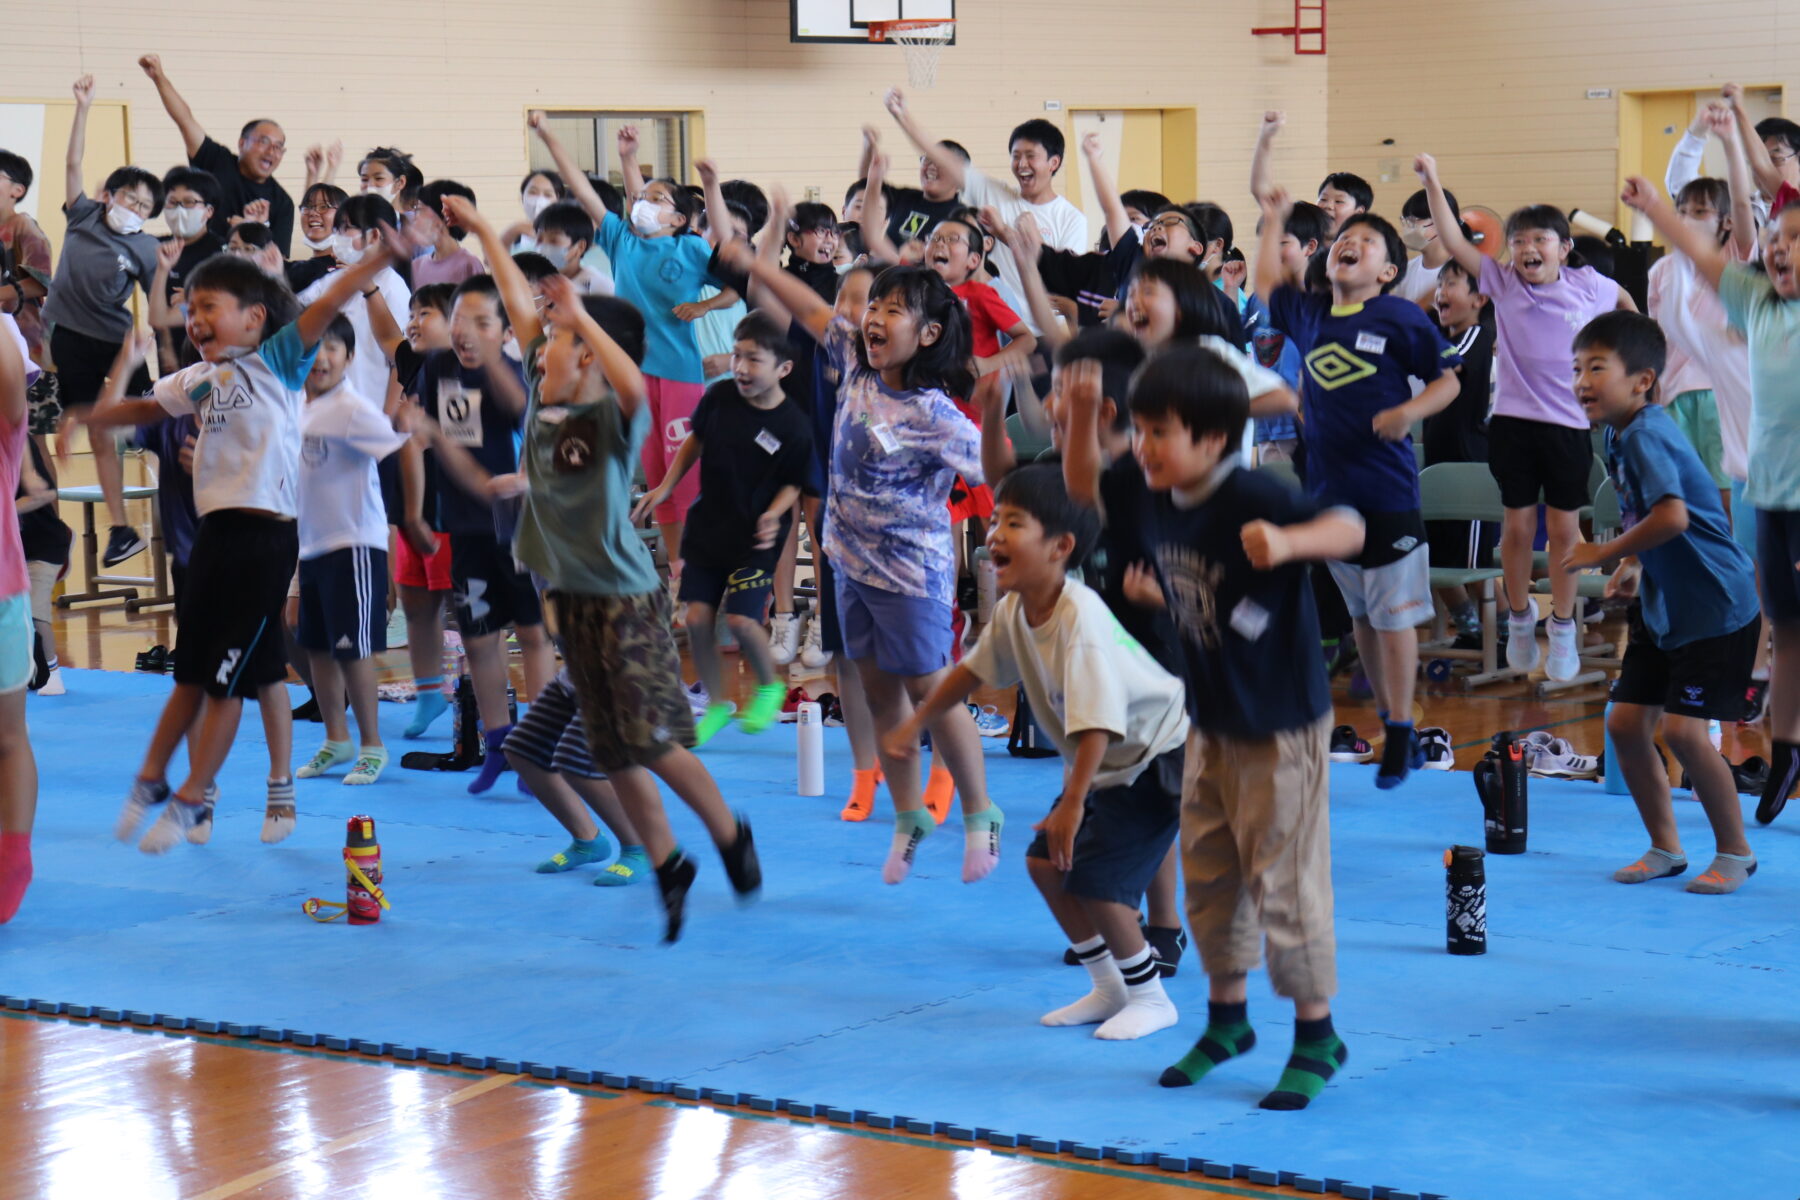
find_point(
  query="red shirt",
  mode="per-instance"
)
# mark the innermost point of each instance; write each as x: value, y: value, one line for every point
x: 988, y: 315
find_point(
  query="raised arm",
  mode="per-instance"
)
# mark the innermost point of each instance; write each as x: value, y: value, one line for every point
x: 1708, y: 258
x: 1737, y: 176
x: 1276, y: 205
x: 574, y: 178
x: 628, y: 165
x: 84, y: 100
x: 1684, y: 160
x: 867, y: 158
x: 949, y: 166
x: 565, y: 310
x: 1081, y: 390
x: 192, y: 135
x: 1259, y: 158
x: 812, y: 313
x: 316, y: 317
x: 1449, y: 229
x: 1106, y: 188
x: 515, y: 290
x: 1762, y: 166
x: 112, y: 408
x: 1026, y: 241
x: 718, y: 216
x: 162, y: 315
x: 874, y: 210
x: 322, y: 163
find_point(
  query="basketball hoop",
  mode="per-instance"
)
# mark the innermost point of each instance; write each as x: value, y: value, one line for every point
x: 923, y: 41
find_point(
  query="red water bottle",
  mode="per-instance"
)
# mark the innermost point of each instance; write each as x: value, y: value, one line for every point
x: 362, y: 868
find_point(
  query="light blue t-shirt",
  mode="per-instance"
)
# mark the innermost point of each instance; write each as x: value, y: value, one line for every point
x: 1772, y: 326
x: 714, y: 333
x: 1698, y: 585
x: 656, y: 274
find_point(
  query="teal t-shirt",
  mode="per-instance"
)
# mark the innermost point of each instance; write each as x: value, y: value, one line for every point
x: 575, y: 524
x: 1772, y: 326
x: 656, y: 274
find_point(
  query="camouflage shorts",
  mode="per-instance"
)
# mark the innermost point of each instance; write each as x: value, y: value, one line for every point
x: 627, y: 675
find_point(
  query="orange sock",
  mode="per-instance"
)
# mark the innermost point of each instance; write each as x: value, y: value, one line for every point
x: 862, y: 795
x: 940, y: 789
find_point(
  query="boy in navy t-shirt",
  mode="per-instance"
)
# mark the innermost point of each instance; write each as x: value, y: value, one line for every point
x: 1695, y: 630
x: 1362, y: 347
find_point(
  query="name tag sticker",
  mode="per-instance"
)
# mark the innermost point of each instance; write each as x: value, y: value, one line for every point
x: 884, y: 437
x: 1374, y: 343
x: 459, y: 413
x: 768, y: 441
x: 1249, y: 619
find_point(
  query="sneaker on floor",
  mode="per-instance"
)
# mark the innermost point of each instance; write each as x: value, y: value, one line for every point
x: 1434, y: 744
x: 1751, y: 775
x: 784, y: 638
x: 812, y: 654
x: 1521, y: 640
x: 1756, y: 702
x: 1564, y: 662
x: 1558, y: 760
x: 172, y: 827
x: 831, y: 711
x: 1346, y: 747
x: 697, y: 698
x: 53, y: 686
x: 990, y: 724
x: 123, y: 542
x: 790, y: 708
x: 143, y: 796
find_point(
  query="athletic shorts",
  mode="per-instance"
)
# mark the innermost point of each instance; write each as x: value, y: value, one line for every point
x: 229, y: 639
x: 831, y: 634
x: 672, y: 408
x: 17, y: 640
x: 741, y: 593
x: 491, y: 591
x: 551, y: 735
x: 622, y: 659
x: 1777, y: 552
x: 1393, y: 597
x: 1696, y: 414
x: 1462, y: 545
x: 905, y: 635
x: 1125, y: 834
x: 343, y: 602
x: 432, y: 574
x: 1708, y: 679
x: 1533, y: 458
x: 82, y: 365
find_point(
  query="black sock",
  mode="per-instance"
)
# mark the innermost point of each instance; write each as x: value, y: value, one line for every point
x: 1227, y: 1035
x: 673, y: 879
x: 1784, y: 767
x: 1396, y: 751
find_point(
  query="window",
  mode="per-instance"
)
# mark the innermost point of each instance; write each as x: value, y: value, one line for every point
x: 664, y: 146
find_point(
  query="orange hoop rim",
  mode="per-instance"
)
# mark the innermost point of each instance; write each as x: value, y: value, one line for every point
x: 879, y: 30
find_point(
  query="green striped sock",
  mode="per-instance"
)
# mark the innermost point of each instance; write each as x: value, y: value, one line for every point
x: 1318, y: 1053
x: 1228, y: 1034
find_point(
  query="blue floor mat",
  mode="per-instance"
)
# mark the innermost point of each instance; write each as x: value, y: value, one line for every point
x: 1614, y: 1041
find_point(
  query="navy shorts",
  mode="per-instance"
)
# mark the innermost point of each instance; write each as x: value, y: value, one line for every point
x: 550, y: 734
x: 1125, y: 834
x: 1708, y: 679
x: 741, y: 593
x: 1777, y: 550
x: 491, y: 591
x: 831, y: 634
x: 905, y: 635
x: 343, y: 602
x: 228, y: 639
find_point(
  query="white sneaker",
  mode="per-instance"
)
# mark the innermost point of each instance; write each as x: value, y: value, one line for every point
x: 784, y: 637
x: 1558, y: 760
x: 811, y: 653
x: 53, y: 686
x: 1434, y: 743
x: 1521, y: 643
x: 1565, y: 649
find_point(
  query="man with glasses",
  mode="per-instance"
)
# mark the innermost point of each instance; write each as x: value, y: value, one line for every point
x: 190, y: 198
x: 245, y: 178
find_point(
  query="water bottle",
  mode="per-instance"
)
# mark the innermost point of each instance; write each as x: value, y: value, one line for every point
x: 987, y: 587
x: 451, y: 667
x: 812, y: 750
x: 1500, y: 779
x: 363, y: 897
x: 1465, y: 901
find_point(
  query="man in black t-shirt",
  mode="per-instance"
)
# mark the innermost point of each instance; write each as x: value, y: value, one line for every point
x: 245, y: 178
x: 914, y: 212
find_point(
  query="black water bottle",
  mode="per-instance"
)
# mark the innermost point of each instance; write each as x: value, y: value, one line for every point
x: 1465, y: 901
x: 1500, y: 781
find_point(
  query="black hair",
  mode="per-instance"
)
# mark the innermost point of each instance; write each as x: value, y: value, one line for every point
x: 568, y: 218
x: 367, y: 212
x: 1215, y: 224
x: 810, y: 216
x: 733, y: 208
x: 1196, y: 387
x: 611, y: 198
x: 482, y: 285
x: 398, y: 163
x: 1782, y: 130
x: 1038, y: 489
x: 1353, y: 186
x: 969, y: 218
x: 432, y: 197
x: 1315, y: 280
x: 125, y: 178
x: 201, y: 183
x: 534, y: 266
x: 1713, y: 192
x: 435, y: 295
x: 250, y: 285
x: 340, y: 331
x: 1390, y: 237
x: 1455, y: 267
x: 944, y: 364
x: 861, y: 185
x: 1200, y: 307
x: 1195, y: 227
x: 1590, y: 251
x: 1043, y: 133
x: 1636, y: 339
x: 1119, y: 355
x: 962, y: 152
x: 753, y: 198
x: 1145, y: 201
x: 622, y: 322
x: 555, y: 178
x: 333, y: 194
x: 253, y: 234
x: 1418, y: 205
x: 250, y: 126
x: 687, y: 204
x: 1307, y: 223
x: 1539, y: 216
x: 16, y: 168
x: 768, y: 333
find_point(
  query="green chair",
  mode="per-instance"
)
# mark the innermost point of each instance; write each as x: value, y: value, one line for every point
x: 1026, y: 444
x: 1283, y: 471
x: 1465, y: 492
x: 1590, y: 587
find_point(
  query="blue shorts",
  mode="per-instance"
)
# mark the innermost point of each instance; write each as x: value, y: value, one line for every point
x: 905, y: 635
x: 1125, y: 834
x: 1777, y: 550
x: 16, y: 643
x: 343, y: 603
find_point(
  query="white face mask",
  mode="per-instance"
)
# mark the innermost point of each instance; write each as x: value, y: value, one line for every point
x: 386, y: 193
x: 646, y: 217
x: 558, y: 255
x: 324, y: 243
x: 122, y: 220
x: 345, y: 249
x: 184, y: 223
x: 535, y: 205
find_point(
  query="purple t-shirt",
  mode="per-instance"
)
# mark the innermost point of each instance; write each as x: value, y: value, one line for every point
x: 1532, y: 373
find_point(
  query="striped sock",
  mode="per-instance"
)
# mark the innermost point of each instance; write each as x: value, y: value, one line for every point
x: 1228, y: 1034
x: 1108, y: 995
x: 1147, y: 1007
x: 278, y: 814
x: 1318, y: 1053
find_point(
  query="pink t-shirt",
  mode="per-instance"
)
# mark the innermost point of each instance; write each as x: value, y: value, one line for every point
x: 452, y: 270
x: 1537, y: 328
x: 14, y: 580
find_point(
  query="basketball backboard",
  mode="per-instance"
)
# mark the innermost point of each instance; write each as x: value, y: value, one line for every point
x: 848, y: 20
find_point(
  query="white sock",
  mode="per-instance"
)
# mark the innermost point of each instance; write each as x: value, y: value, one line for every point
x: 1147, y: 1007
x: 278, y: 814
x: 1108, y: 996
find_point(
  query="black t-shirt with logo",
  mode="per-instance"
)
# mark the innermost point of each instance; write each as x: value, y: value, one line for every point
x: 911, y: 217
x: 472, y: 415
x: 747, y: 455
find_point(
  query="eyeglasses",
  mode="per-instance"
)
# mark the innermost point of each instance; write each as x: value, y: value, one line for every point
x: 1168, y: 221
x: 1790, y: 156
x: 948, y: 239
x: 262, y: 139
x: 318, y: 210
x: 185, y: 204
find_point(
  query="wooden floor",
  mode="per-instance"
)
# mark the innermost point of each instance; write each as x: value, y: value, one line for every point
x: 93, y: 1111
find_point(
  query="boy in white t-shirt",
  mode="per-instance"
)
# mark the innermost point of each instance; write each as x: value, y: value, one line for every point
x: 359, y: 223
x: 343, y: 554
x: 1119, y: 721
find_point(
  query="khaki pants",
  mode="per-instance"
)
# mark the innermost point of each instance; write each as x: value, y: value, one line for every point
x: 1256, y: 853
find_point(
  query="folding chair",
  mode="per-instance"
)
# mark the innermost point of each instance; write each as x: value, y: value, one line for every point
x: 1465, y: 492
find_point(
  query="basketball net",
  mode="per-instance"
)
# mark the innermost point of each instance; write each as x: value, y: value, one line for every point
x: 923, y: 42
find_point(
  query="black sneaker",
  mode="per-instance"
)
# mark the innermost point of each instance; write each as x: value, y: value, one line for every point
x: 1167, y: 945
x: 1756, y: 702
x: 40, y: 665
x: 1346, y: 747
x: 309, y: 711
x: 155, y: 659
x: 121, y: 544
x: 742, y: 866
x: 673, y: 879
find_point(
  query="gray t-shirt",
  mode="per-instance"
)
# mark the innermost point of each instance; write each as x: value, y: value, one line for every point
x: 91, y: 291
